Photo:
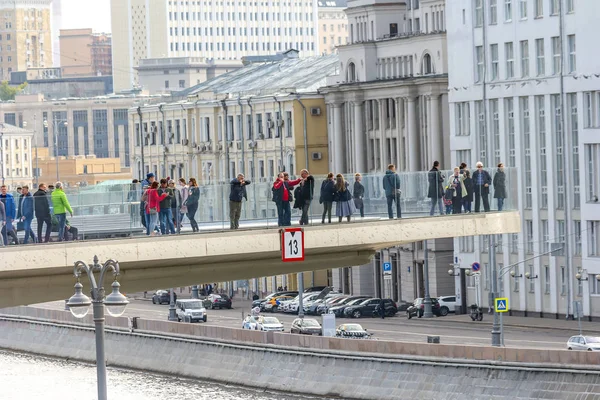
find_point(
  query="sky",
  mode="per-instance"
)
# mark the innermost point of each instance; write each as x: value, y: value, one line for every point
x: 93, y: 14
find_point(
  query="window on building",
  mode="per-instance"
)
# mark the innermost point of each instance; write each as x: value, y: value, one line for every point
x: 540, y: 60
x: 531, y: 281
x: 495, y: 129
x: 556, y: 55
x: 523, y: 9
x: 529, y: 233
x: 517, y: 279
x: 545, y: 236
x: 166, y: 84
x: 479, y: 68
x: 554, y: 7
x: 592, y: 160
x: 495, y: 62
x: 493, y: 12
x: 514, y: 243
x: 510, y: 60
x: 510, y: 130
x: 288, y: 124
x: 541, y: 133
x: 563, y: 281
x: 557, y: 133
x: 572, y: 53
x: 478, y: 13
x: 481, y: 131
x: 259, y: 126
x: 182, y: 84
x: 573, y: 122
x: 570, y: 6
x: 539, y: 8
x: 577, y: 236
x: 467, y: 244
x: 546, y: 279
x: 594, y: 286
x: 463, y: 121
x: 507, y: 10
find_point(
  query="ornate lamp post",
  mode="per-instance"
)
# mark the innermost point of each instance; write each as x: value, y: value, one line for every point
x: 115, y: 303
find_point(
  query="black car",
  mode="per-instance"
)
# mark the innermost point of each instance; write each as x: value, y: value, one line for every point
x: 338, y: 309
x: 259, y: 302
x: 219, y: 301
x: 418, y: 308
x: 368, y: 308
x: 163, y: 297
x: 306, y: 326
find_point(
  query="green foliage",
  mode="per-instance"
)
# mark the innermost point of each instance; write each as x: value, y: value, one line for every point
x: 8, y: 92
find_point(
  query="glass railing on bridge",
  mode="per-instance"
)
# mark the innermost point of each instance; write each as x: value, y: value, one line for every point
x: 113, y: 211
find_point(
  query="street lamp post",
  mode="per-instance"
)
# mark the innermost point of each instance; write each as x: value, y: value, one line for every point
x: 115, y: 303
x: 427, y: 311
x: 55, y: 129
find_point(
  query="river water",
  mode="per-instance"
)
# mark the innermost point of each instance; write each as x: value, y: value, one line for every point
x: 26, y: 376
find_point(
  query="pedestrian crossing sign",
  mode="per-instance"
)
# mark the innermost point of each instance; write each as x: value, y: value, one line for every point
x: 501, y: 304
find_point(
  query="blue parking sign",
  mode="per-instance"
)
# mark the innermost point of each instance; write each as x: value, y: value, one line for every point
x: 387, y: 268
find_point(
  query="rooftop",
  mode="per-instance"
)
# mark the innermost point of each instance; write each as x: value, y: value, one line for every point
x: 260, y: 78
x: 332, y: 3
x: 13, y: 130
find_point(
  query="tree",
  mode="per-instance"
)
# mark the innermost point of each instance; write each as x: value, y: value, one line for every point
x: 8, y: 92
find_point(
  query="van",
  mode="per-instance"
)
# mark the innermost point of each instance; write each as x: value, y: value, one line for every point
x: 190, y: 310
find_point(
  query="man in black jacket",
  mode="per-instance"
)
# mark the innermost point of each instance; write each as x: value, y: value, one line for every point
x: 238, y: 193
x: 308, y: 186
x: 42, y: 212
x: 482, y: 181
x: 436, y: 190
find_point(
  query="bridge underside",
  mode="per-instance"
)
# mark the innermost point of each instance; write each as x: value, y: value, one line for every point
x: 42, y: 273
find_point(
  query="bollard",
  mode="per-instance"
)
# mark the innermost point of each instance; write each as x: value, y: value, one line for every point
x: 433, y: 339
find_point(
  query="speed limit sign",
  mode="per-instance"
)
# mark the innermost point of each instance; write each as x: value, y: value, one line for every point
x: 292, y: 245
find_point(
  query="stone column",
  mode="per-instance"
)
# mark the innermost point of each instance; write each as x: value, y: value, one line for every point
x: 338, y: 144
x: 413, y: 136
x: 360, y: 139
x: 436, y: 144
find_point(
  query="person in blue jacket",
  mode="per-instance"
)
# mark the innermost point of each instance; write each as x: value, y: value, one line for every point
x: 11, y: 213
x: 26, y: 208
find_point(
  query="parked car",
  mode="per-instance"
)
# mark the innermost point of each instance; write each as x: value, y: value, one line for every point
x: 292, y: 306
x: 447, y: 304
x: 258, y: 303
x: 368, y: 307
x: 220, y: 301
x: 418, y: 308
x: 315, y: 289
x: 319, y: 307
x: 306, y: 326
x: 163, y: 297
x: 272, y: 305
x: 354, y: 331
x: 261, y: 323
x: 190, y: 310
x: 579, y: 342
x: 338, y: 309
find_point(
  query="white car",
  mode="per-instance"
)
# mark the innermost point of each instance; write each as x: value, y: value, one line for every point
x: 447, y: 304
x: 293, y: 306
x: 579, y: 342
x: 261, y: 323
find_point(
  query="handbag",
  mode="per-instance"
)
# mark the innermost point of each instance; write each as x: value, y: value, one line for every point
x: 153, y: 211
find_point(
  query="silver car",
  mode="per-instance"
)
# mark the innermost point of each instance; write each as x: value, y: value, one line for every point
x: 579, y: 342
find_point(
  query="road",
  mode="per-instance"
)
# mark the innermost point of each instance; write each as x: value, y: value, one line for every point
x: 452, y: 329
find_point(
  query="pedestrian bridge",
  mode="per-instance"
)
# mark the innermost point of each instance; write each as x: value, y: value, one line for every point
x: 41, y: 273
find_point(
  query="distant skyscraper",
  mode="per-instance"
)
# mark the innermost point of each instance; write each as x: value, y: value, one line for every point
x: 56, y: 27
x: 214, y: 30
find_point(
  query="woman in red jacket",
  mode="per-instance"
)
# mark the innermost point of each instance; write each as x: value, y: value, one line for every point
x: 152, y: 200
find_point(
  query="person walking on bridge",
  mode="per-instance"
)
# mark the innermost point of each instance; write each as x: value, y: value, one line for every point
x: 2, y: 221
x: 282, y: 195
x: 482, y: 181
x: 306, y: 194
x: 11, y: 212
x: 237, y: 195
x: 61, y: 206
x: 326, y: 198
x: 42, y: 212
x: 391, y: 185
x: 26, y: 209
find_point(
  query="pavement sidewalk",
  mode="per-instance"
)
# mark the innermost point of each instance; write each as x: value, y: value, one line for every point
x: 530, y: 322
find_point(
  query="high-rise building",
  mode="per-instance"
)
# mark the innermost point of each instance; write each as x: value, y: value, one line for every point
x: 525, y: 91
x: 84, y: 53
x: 56, y: 27
x: 25, y: 35
x: 387, y: 105
x: 333, y: 25
x: 210, y: 29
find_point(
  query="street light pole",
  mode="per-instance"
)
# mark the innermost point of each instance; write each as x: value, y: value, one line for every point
x: 172, y: 313
x: 79, y: 304
x: 496, y: 333
x: 427, y: 311
x: 2, y: 153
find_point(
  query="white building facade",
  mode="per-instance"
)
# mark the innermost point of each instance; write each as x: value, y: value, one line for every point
x: 15, y: 147
x: 213, y: 30
x: 524, y: 90
x: 388, y: 105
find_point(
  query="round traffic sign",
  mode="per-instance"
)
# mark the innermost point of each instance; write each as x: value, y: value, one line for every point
x: 476, y: 266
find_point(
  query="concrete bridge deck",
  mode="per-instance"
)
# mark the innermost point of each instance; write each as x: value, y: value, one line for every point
x: 36, y: 274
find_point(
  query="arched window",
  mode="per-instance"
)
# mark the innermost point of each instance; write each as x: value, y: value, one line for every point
x: 351, y: 73
x: 427, y: 67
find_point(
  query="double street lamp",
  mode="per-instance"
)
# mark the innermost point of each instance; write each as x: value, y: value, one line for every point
x: 56, y: 124
x: 115, y: 303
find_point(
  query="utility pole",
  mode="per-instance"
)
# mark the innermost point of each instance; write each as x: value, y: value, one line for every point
x: 496, y: 332
x: 427, y: 312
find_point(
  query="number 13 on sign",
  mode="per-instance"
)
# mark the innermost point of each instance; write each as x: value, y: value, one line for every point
x: 292, y: 244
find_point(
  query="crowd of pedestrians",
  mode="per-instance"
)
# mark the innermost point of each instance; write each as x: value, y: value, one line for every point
x: 457, y: 191
x: 49, y: 205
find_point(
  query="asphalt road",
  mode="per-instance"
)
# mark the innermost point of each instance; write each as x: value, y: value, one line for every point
x: 452, y: 330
